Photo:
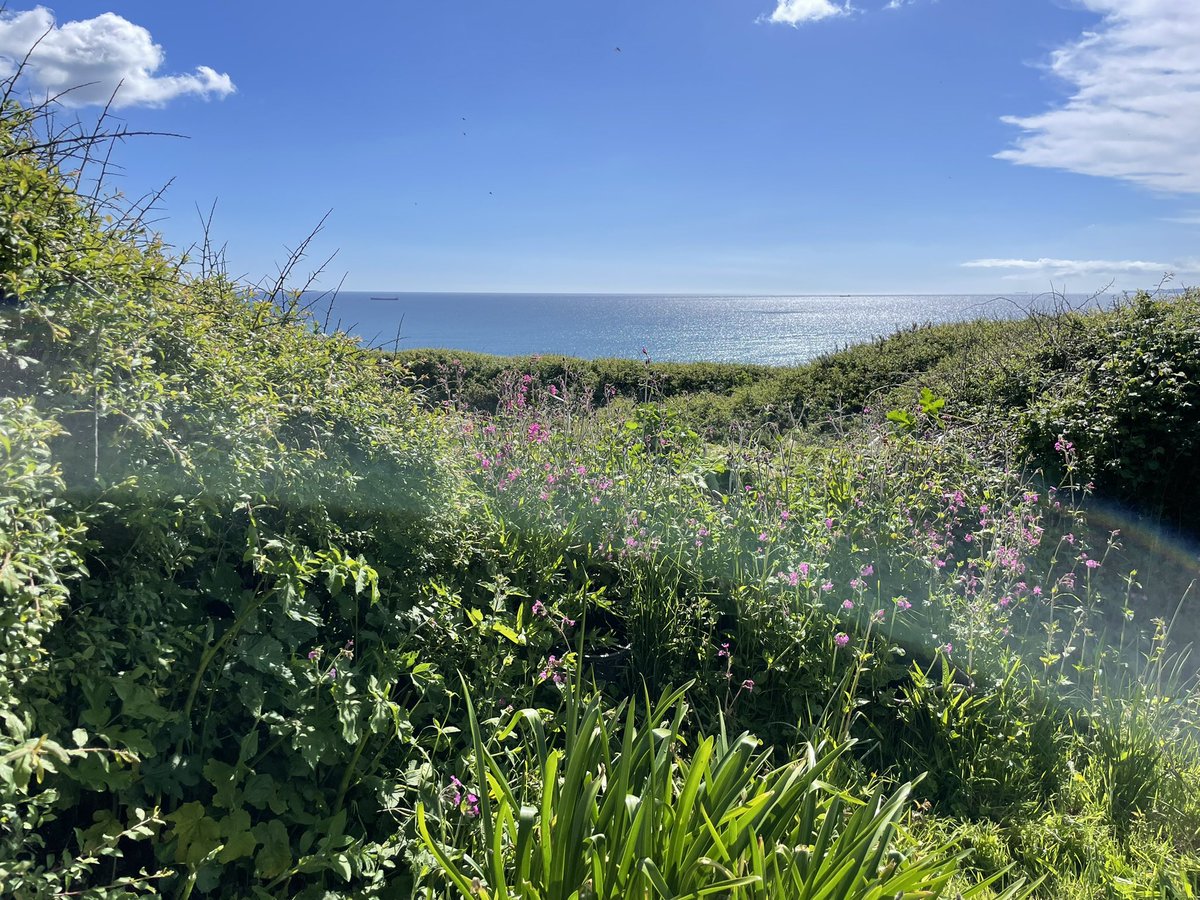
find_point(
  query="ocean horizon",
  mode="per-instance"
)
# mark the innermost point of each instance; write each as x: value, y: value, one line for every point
x: 766, y: 329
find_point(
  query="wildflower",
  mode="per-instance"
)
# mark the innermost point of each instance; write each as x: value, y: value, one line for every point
x: 829, y: 524
x: 827, y: 586
x: 794, y: 578
x: 1037, y: 591
x: 847, y: 604
x: 841, y: 639
x: 314, y: 654
x: 473, y: 805
x: 784, y: 515
x: 868, y: 570
x: 457, y: 787
x: 724, y: 651
x: 947, y: 648
x: 902, y: 604
x: 332, y: 674
x: 553, y: 391
x: 1092, y: 564
x: 804, y: 569
x: 539, y: 608
x: 763, y: 537
x: 748, y: 685
x: 879, y: 615
x: 857, y: 583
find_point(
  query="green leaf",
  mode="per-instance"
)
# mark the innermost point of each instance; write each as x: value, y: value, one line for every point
x: 275, y: 857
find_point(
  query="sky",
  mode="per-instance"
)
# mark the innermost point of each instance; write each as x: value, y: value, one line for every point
x: 718, y: 147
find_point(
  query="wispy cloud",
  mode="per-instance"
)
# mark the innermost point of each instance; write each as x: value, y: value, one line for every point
x: 796, y: 12
x: 1067, y: 268
x: 96, y: 57
x: 1135, y: 110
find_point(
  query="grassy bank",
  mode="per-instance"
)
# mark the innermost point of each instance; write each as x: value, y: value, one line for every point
x: 277, y: 622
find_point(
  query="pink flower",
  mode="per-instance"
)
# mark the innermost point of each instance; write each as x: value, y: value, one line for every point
x: 724, y: 651
x: 539, y: 608
x: 1092, y: 564
x: 902, y: 604
x: 847, y: 604
x: 868, y: 570
x: 748, y: 685
x: 841, y: 639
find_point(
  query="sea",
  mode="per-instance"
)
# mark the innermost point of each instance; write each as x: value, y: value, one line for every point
x: 772, y: 330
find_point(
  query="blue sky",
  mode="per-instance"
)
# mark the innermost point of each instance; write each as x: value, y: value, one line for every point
x: 728, y: 146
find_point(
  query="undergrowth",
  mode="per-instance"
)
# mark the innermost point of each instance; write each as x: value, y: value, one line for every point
x: 280, y: 622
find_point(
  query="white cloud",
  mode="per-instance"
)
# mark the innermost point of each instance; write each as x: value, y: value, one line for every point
x: 794, y: 12
x: 1066, y: 268
x: 1135, y: 110
x: 95, y: 56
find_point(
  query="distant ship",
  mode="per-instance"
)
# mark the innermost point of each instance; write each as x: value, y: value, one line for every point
x: 385, y: 298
